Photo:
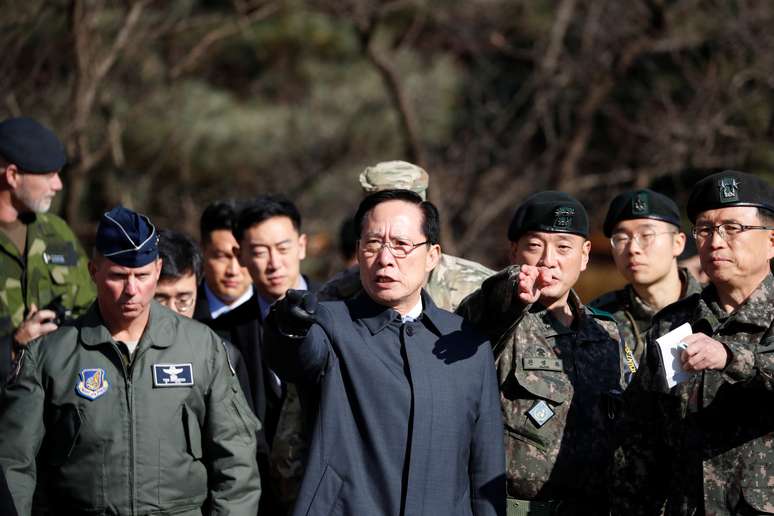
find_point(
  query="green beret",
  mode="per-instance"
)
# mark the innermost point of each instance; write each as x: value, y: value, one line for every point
x: 34, y: 149
x: 127, y: 238
x: 552, y: 212
x: 641, y: 204
x: 729, y: 188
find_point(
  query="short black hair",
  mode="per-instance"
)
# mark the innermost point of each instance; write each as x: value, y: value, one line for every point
x: 348, y: 238
x: 180, y: 256
x: 218, y: 215
x: 431, y: 224
x: 264, y: 208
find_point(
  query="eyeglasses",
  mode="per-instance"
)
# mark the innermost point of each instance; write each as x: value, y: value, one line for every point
x: 182, y: 303
x: 727, y: 230
x: 399, y: 248
x: 644, y: 240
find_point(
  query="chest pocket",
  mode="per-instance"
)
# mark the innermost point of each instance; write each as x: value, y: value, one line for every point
x: 543, y: 377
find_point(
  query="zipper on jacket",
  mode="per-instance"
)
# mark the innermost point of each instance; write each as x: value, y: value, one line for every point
x: 130, y: 413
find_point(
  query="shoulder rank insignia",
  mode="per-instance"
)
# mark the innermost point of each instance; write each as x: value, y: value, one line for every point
x: 172, y: 375
x: 93, y: 384
x: 540, y: 413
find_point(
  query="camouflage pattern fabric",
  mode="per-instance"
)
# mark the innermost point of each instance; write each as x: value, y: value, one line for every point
x: 448, y: 284
x: 560, y: 392
x: 706, y: 446
x: 395, y: 174
x: 634, y: 316
x: 55, y: 265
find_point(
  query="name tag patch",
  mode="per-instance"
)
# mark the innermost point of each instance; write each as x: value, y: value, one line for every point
x: 543, y: 363
x: 93, y: 384
x: 172, y: 375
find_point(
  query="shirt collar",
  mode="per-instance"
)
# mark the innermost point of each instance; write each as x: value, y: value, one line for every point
x: 218, y: 307
x: 414, y: 313
x: 376, y: 317
x: 265, y: 304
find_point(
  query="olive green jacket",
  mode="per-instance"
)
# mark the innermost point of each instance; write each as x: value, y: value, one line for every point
x: 54, y: 265
x: 98, y: 437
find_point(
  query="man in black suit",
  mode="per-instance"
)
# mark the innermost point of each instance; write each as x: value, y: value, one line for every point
x: 226, y: 283
x: 271, y: 247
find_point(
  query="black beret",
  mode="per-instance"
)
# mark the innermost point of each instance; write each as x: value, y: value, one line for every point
x: 549, y: 211
x: 641, y: 204
x: 127, y: 238
x: 30, y: 146
x: 729, y: 188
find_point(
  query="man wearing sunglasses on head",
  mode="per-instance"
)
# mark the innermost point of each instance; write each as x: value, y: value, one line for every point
x: 705, y: 446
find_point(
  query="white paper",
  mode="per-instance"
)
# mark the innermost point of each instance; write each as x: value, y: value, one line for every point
x: 671, y: 349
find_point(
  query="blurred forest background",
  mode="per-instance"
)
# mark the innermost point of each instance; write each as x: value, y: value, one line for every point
x: 167, y: 105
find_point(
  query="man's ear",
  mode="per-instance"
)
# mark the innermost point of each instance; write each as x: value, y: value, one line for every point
x: 10, y: 175
x: 302, y: 246
x: 433, y: 257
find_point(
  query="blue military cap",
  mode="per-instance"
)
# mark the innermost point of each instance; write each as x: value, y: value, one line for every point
x: 34, y: 149
x: 551, y: 212
x: 127, y: 238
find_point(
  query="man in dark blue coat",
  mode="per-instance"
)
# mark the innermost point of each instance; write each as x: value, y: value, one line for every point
x: 409, y: 418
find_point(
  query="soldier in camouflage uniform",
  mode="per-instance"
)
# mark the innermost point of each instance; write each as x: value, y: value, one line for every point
x: 448, y: 284
x: 644, y: 231
x: 706, y: 446
x: 43, y: 270
x: 558, y: 362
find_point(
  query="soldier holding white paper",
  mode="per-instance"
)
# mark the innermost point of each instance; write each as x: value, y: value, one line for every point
x: 705, y: 446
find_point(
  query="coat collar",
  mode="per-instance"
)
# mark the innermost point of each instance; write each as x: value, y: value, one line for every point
x: 159, y: 333
x: 376, y: 317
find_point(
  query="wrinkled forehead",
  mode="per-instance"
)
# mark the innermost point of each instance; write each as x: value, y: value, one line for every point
x: 393, y: 218
x: 741, y: 214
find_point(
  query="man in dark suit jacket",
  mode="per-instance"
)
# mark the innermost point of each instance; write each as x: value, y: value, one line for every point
x: 271, y: 247
x: 226, y: 284
x: 409, y: 418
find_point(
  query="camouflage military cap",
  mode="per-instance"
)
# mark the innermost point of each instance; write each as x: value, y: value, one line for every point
x: 641, y: 204
x: 127, y: 238
x: 549, y: 211
x: 34, y: 149
x: 389, y: 175
x: 730, y: 188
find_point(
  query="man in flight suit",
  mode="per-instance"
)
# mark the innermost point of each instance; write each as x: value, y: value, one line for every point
x: 132, y: 409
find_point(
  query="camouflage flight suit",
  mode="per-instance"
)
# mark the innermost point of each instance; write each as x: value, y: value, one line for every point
x: 560, y: 392
x: 706, y: 445
x: 55, y: 266
x: 633, y: 315
x: 449, y: 283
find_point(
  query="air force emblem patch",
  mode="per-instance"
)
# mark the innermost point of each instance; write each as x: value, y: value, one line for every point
x: 93, y: 384
x: 172, y: 375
